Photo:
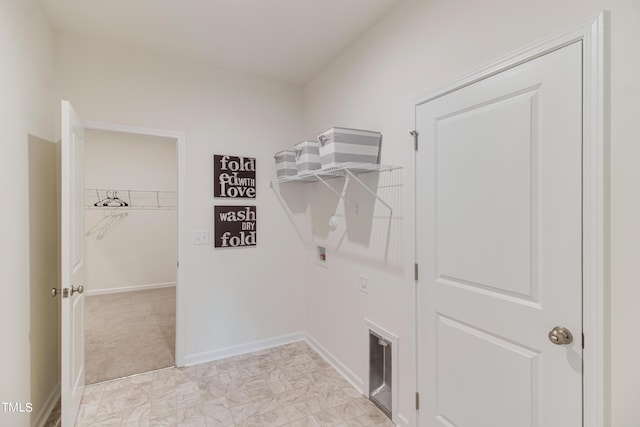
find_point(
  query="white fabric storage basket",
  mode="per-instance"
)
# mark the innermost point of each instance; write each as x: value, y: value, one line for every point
x: 307, y: 156
x: 342, y: 145
x: 285, y: 163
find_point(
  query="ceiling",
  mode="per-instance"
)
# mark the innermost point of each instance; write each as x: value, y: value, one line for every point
x: 288, y: 40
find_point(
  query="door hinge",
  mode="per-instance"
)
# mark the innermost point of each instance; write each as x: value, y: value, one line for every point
x: 417, y: 401
x: 582, y: 340
x: 415, y: 271
x: 177, y: 264
x: 414, y: 134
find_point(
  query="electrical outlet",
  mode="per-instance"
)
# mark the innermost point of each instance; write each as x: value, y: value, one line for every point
x: 321, y: 254
x: 201, y: 237
x: 363, y: 284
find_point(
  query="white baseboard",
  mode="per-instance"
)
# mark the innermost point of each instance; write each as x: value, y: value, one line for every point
x: 347, y: 373
x: 209, y: 356
x: 49, y: 404
x: 92, y: 292
x: 402, y: 421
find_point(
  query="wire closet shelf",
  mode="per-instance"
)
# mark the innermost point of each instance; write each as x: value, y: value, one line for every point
x: 349, y: 170
x: 340, y: 170
x: 97, y: 198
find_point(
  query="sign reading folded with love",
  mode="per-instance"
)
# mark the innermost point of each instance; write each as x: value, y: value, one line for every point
x: 234, y: 177
x: 235, y: 226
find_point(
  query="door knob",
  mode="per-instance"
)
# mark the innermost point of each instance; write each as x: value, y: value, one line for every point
x: 560, y: 336
x: 54, y: 292
x: 79, y: 289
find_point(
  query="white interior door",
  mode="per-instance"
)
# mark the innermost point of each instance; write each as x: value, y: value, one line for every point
x: 499, y: 209
x: 72, y: 260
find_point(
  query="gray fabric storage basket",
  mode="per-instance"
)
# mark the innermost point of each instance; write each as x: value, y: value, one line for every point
x: 307, y: 156
x: 342, y: 145
x: 285, y: 163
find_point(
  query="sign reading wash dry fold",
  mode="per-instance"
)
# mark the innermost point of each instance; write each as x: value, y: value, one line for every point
x: 234, y: 177
x: 235, y: 226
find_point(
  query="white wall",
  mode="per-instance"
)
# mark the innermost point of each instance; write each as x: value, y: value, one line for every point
x: 237, y: 296
x: 25, y: 108
x: 126, y: 248
x: 418, y: 47
x: 44, y: 206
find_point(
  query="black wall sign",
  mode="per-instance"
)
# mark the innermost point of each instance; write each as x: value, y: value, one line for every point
x: 234, y: 177
x: 235, y: 226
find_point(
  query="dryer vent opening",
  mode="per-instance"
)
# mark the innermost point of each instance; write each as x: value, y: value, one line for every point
x: 380, y: 373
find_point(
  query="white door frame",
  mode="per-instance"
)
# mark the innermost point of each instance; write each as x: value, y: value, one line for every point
x: 181, y: 214
x: 595, y: 143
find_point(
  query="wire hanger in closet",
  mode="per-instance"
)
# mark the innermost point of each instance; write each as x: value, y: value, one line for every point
x: 111, y: 201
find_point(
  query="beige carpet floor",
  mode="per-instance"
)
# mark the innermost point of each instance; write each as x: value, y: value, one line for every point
x: 129, y: 333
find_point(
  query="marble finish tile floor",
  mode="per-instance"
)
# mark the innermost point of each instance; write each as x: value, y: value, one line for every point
x: 290, y: 385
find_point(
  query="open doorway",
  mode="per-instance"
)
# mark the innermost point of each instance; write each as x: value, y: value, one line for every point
x: 131, y: 247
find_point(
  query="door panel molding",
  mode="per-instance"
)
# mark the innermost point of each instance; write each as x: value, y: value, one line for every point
x: 593, y: 35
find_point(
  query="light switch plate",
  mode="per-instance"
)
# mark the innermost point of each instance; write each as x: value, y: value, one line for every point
x: 201, y: 237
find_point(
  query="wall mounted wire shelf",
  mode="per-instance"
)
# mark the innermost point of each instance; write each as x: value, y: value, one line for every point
x: 130, y: 199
